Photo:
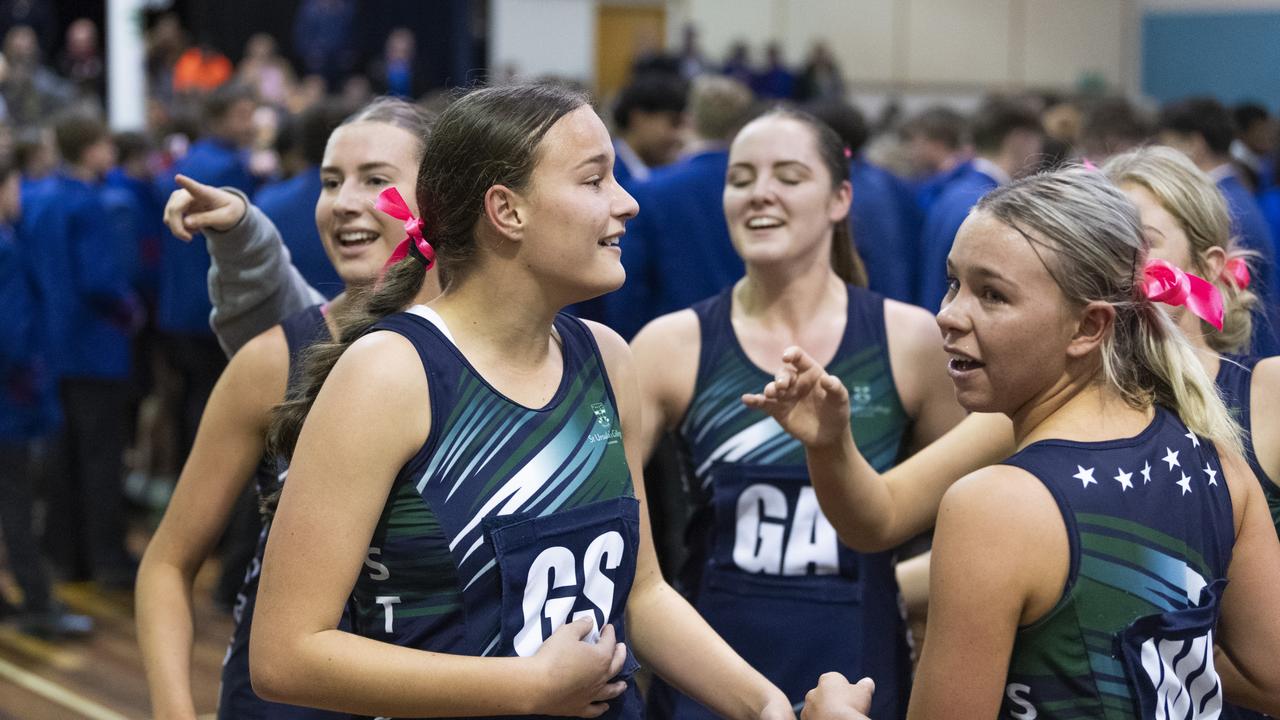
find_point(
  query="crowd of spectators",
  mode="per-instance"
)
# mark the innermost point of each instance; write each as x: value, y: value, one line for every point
x: 109, y: 357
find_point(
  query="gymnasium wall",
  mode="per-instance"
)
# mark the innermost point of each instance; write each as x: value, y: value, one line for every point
x: 1226, y: 48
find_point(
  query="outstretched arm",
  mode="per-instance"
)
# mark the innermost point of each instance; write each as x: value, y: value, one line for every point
x: 872, y: 511
x: 252, y: 281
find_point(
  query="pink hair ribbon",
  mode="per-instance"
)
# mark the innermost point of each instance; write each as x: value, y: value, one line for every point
x: 1163, y: 282
x: 1236, y: 272
x: 392, y: 203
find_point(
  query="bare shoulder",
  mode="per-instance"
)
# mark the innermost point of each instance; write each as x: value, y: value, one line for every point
x: 383, y: 364
x: 910, y: 327
x: 997, y: 488
x: 613, y: 349
x: 262, y: 365
x: 672, y: 338
x: 1266, y: 374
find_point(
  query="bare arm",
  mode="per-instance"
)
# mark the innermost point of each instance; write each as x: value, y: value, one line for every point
x: 1265, y: 423
x: 1249, y: 631
x: 984, y: 583
x: 227, y: 449
x: 666, y: 632
x: 869, y: 510
x: 666, y: 367
x: 370, y: 418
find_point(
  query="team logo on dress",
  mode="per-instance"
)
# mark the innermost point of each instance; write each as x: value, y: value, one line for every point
x: 605, y: 421
x: 860, y: 402
x: 602, y: 413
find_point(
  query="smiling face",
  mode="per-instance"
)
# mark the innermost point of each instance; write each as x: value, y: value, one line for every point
x: 779, y: 200
x: 574, y: 211
x: 1005, y: 322
x: 361, y: 160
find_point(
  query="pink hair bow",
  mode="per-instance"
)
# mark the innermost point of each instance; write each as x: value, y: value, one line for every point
x: 1236, y: 272
x: 392, y: 203
x: 1162, y: 282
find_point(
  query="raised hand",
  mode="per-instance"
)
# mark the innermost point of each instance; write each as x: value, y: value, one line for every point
x: 835, y: 698
x: 194, y: 206
x: 574, y: 674
x: 809, y: 404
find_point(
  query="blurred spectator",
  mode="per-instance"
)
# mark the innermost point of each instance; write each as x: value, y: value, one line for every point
x: 1007, y: 140
x: 647, y: 121
x: 35, y: 14
x: 692, y: 61
x: 1111, y: 126
x: 308, y: 92
x: 266, y: 71
x: 89, y: 313
x: 775, y: 80
x: 32, y: 92
x: 1255, y: 145
x: 357, y: 91
x: 166, y: 41
x: 392, y: 74
x: 28, y: 412
x: 182, y: 312
x: 290, y: 204
x: 200, y: 69
x: 322, y: 32
x: 935, y: 141
x: 821, y: 78
x: 884, y: 217
x: 35, y: 153
x: 738, y: 64
x: 677, y: 250
x: 81, y: 61
x: 132, y: 176
x: 1202, y: 129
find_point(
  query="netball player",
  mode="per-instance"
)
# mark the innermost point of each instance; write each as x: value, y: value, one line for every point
x: 461, y: 481
x: 376, y: 148
x: 768, y: 572
x: 1094, y: 560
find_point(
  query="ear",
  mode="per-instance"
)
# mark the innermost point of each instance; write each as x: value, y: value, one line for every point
x: 1093, y: 326
x: 841, y: 200
x: 1213, y: 260
x: 506, y: 211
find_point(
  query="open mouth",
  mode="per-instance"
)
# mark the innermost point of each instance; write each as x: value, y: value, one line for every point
x: 763, y: 223
x: 611, y: 242
x: 357, y: 238
x: 961, y: 364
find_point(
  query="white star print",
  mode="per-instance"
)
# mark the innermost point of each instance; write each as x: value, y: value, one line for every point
x: 1213, y: 474
x: 1171, y: 457
x: 1146, y: 472
x: 1085, y: 476
x: 1122, y: 477
x: 1185, y: 484
x: 1195, y: 441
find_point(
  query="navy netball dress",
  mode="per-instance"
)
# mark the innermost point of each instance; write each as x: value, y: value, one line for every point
x: 510, y: 521
x: 236, y: 699
x: 766, y: 569
x: 1235, y: 376
x: 1150, y: 531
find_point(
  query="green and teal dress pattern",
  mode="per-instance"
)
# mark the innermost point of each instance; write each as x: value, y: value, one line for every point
x: 510, y: 520
x: 1150, y: 531
x: 766, y: 569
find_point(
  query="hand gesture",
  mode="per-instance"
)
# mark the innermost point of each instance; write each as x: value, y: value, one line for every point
x: 575, y: 674
x: 195, y: 206
x: 809, y: 404
x: 836, y: 699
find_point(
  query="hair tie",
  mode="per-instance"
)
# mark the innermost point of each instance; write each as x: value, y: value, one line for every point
x: 1162, y: 282
x: 1236, y: 272
x: 848, y: 153
x: 415, y: 243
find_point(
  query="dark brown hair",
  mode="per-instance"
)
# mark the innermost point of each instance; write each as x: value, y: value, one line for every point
x: 488, y: 137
